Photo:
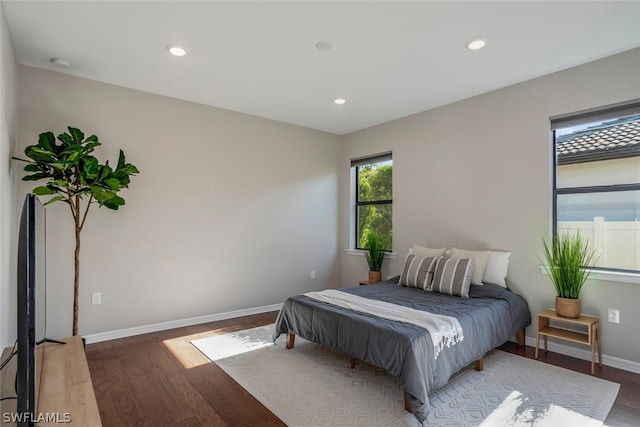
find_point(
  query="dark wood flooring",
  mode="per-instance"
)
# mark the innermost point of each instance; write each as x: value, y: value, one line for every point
x: 160, y: 379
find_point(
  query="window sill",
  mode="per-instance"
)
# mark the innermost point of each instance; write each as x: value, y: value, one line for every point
x: 360, y: 252
x: 609, y: 276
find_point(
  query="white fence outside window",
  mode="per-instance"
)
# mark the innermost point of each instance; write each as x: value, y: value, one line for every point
x: 617, y: 243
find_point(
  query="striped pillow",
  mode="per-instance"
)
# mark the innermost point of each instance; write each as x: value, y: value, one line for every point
x: 417, y: 272
x: 453, y: 276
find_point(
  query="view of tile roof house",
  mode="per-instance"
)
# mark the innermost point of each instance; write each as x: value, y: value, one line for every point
x: 608, y: 140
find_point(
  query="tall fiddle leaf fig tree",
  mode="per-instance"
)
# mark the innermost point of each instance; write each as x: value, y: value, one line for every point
x: 77, y: 178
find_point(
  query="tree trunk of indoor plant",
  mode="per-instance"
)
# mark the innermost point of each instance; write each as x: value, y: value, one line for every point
x: 76, y: 282
x: 76, y: 267
x: 568, y: 307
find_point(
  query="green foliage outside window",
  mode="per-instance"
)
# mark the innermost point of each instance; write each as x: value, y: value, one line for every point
x: 375, y: 185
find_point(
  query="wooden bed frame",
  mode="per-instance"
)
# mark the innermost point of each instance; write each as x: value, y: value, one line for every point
x: 291, y: 339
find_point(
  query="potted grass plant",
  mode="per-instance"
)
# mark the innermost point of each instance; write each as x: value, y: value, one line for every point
x: 568, y: 259
x: 375, y: 247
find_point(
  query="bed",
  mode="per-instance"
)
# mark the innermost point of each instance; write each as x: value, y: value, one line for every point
x: 489, y: 317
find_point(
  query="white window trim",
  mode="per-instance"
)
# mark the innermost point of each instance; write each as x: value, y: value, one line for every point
x: 361, y: 252
x: 607, y: 276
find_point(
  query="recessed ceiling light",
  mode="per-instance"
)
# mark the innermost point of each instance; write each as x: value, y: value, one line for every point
x: 176, y: 50
x: 60, y: 62
x: 339, y: 101
x: 476, y: 43
x: 324, y: 45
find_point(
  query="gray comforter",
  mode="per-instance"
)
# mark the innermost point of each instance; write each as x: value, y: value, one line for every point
x: 489, y: 317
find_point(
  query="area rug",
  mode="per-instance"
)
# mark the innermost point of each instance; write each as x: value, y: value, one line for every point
x: 313, y: 386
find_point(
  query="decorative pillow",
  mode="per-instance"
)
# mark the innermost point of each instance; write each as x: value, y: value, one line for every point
x: 417, y: 272
x: 481, y: 259
x: 422, y: 251
x: 497, y: 268
x: 453, y: 276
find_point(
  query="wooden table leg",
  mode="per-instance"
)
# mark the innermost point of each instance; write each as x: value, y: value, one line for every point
x: 545, y: 344
x: 599, y: 343
x: 537, y: 344
x: 592, y: 337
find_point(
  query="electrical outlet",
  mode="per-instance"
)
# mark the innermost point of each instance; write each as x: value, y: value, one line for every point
x: 96, y: 298
x: 313, y: 275
x: 614, y: 315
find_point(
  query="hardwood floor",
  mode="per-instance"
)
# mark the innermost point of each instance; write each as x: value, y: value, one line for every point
x: 160, y: 379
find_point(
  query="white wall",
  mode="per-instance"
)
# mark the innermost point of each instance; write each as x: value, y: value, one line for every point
x: 476, y: 174
x: 230, y: 211
x: 8, y: 235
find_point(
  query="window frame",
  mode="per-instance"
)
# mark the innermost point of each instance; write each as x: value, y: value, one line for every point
x: 590, y: 116
x: 357, y: 163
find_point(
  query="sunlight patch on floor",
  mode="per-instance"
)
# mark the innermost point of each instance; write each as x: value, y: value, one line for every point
x: 223, y: 346
x: 515, y: 411
x: 185, y: 352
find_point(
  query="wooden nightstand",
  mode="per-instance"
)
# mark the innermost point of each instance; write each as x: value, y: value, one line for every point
x: 589, y: 337
x: 364, y: 282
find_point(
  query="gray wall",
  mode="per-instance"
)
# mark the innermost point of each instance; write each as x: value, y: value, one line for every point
x: 8, y: 235
x: 476, y: 174
x: 229, y: 212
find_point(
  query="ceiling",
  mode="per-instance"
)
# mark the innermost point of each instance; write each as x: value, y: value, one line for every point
x: 388, y: 60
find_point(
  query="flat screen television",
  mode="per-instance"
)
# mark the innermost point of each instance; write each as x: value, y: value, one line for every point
x: 31, y: 310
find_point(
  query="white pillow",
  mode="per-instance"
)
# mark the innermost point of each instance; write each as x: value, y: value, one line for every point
x: 481, y: 259
x: 497, y: 268
x: 421, y: 251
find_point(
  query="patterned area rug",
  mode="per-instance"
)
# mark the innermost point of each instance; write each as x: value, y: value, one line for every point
x: 313, y: 386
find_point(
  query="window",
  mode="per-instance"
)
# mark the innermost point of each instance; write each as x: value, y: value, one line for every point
x: 597, y: 182
x: 372, y: 210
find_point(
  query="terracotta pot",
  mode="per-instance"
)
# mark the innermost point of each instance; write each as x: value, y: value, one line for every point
x: 375, y: 276
x: 568, y: 307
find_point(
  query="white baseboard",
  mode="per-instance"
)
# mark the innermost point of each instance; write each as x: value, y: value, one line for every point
x: 578, y: 353
x: 145, y: 329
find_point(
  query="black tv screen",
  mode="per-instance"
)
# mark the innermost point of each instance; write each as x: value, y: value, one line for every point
x: 31, y: 310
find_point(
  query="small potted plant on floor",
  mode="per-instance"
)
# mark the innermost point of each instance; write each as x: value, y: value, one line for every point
x: 568, y: 259
x: 375, y: 247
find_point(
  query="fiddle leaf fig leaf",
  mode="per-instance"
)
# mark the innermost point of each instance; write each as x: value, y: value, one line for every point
x: 35, y: 177
x: 114, y: 202
x: 73, y: 148
x: 47, y: 141
x: 113, y: 183
x: 31, y: 168
x: 66, y: 139
x: 56, y: 199
x: 59, y: 183
x: 77, y: 134
x: 91, y: 146
x: 43, y: 190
